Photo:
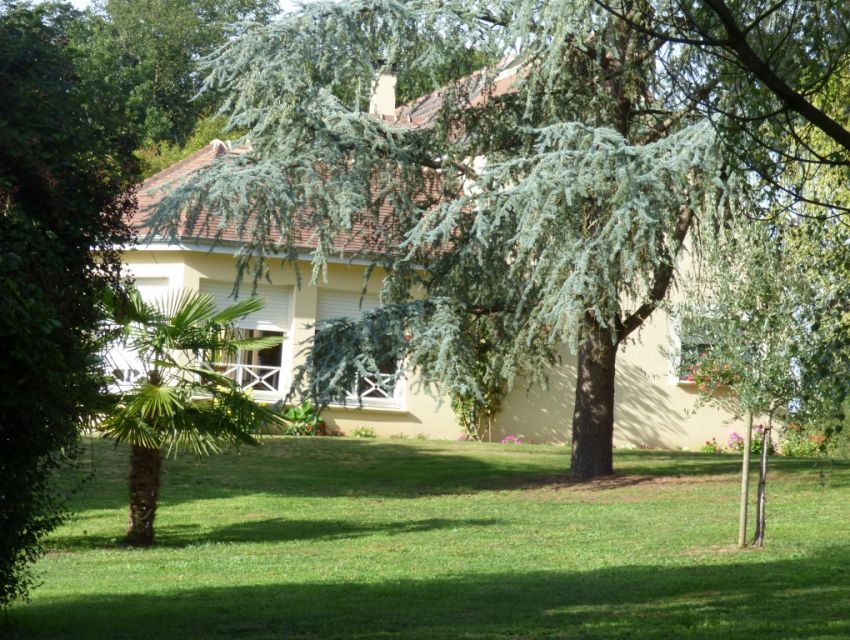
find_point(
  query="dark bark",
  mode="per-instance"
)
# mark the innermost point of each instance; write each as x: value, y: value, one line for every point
x: 593, y: 417
x: 145, y: 474
x: 661, y: 279
x: 758, y: 539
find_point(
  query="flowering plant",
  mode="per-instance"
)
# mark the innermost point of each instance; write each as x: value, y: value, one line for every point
x: 707, y: 375
x: 711, y: 446
x: 798, y: 443
x: 511, y: 439
x: 736, y: 441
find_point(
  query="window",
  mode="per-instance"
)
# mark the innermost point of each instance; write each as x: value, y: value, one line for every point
x: 694, y: 344
x: 258, y: 370
x: 380, y: 389
x: 374, y: 391
x: 121, y: 363
x: 265, y: 371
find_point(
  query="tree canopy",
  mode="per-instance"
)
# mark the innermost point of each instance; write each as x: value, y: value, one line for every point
x: 154, y: 47
x: 552, y: 189
x: 772, y: 76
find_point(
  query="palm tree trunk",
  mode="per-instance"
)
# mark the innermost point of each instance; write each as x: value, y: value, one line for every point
x: 145, y: 474
x: 593, y: 417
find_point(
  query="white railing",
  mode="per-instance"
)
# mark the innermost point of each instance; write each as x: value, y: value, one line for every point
x: 256, y: 377
x: 371, y: 388
x: 374, y: 395
x: 123, y: 366
x: 125, y: 378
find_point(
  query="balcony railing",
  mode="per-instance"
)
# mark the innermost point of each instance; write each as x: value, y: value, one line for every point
x: 124, y: 378
x: 375, y: 387
x: 374, y: 391
x: 378, y: 392
x: 252, y: 376
x: 123, y: 368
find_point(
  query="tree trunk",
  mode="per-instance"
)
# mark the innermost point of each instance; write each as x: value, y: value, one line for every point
x: 758, y: 539
x: 145, y: 473
x: 593, y: 418
x: 745, y: 483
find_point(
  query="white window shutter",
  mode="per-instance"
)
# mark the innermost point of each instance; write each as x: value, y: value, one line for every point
x: 343, y: 304
x: 275, y: 316
x: 152, y: 289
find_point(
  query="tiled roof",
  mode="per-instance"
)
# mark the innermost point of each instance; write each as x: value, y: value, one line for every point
x: 151, y: 191
x: 474, y: 89
x: 362, y: 238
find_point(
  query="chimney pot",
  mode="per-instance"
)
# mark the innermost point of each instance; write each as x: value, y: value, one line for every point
x: 382, y: 102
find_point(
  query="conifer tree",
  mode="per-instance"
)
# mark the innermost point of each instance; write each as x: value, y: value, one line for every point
x: 551, y: 192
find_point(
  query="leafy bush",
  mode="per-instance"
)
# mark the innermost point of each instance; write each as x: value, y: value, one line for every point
x: 363, y: 432
x: 799, y: 444
x: 64, y: 164
x: 304, y: 420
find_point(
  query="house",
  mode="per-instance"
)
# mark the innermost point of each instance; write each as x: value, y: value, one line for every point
x: 655, y: 407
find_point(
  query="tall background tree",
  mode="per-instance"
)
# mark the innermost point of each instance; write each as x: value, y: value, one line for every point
x: 65, y: 179
x: 150, y: 51
x: 565, y: 197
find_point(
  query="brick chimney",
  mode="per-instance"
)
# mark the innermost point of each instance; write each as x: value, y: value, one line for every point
x: 382, y: 102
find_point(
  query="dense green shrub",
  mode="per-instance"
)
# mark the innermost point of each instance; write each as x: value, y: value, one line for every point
x: 63, y: 168
x: 304, y: 420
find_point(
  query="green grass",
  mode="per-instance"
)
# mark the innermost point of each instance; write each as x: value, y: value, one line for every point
x: 343, y: 538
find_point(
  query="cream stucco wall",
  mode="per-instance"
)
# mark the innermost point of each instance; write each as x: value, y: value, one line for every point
x: 419, y: 414
x: 652, y: 407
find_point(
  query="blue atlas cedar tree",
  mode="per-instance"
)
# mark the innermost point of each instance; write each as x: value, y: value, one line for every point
x: 551, y: 192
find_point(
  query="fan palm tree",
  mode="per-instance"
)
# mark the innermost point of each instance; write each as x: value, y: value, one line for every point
x: 179, y: 402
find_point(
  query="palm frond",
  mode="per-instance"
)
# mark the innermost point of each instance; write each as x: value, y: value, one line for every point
x: 183, y: 405
x: 186, y: 308
x: 155, y: 403
x: 126, y: 309
x: 239, y: 310
x: 257, y: 344
x: 209, y: 379
x: 128, y: 428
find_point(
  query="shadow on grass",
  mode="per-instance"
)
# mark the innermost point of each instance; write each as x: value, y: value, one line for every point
x: 271, y: 530
x: 746, y: 598
x: 331, y: 467
x: 664, y: 463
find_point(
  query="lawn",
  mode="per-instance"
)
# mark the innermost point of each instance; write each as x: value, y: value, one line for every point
x: 342, y: 538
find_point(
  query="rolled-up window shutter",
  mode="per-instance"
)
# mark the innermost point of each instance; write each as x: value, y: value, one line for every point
x: 343, y: 304
x: 275, y: 316
x: 151, y: 289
